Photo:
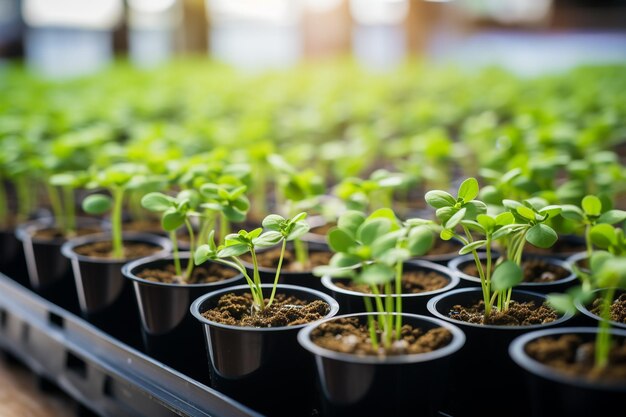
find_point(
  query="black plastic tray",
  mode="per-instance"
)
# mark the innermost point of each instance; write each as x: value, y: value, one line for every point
x: 105, y: 375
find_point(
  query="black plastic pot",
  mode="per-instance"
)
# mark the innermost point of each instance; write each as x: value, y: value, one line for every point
x: 591, y: 319
x: 165, y: 317
x: 576, y: 259
x: 12, y: 262
x: 442, y: 258
x: 46, y: 265
x: 104, y: 297
x: 553, y: 393
x: 264, y: 368
x: 469, y: 281
x: 302, y: 279
x: 403, y: 385
x: 315, y: 238
x: 483, y: 379
x: 352, y: 301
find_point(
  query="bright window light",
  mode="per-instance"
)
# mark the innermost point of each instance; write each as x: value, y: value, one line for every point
x: 92, y: 14
x: 379, y: 12
x: 269, y: 11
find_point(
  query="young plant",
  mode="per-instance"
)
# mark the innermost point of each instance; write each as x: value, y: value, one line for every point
x: 372, y: 193
x: 64, y: 205
x: 175, y: 213
x: 227, y: 203
x: 372, y: 250
x: 608, y: 273
x: 590, y: 214
x: 279, y: 230
x: 117, y: 179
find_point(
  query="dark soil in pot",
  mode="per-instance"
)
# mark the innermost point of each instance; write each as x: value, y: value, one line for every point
x: 484, y: 358
x: 291, y: 272
x: 349, y: 335
x: 356, y: 380
x: 262, y: 367
x: 541, y: 274
x: 164, y: 300
x: 421, y: 280
x: 580, y: 260
x: 518, y: 314
x: 561, y: 377
x: 591, y: 312
x: 565, y: 247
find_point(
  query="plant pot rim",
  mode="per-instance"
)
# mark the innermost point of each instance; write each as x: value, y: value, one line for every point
x: 68, y: 247
x: 127, y: 271
x: 455, y: 263
x: 579, y: 256
x: 583, y: 309
x: 519, y: 356
x: 24, y: 231
x: 457, y: 342
x: 195, y: 307
x: 327, y: 281
x: 432, y: 308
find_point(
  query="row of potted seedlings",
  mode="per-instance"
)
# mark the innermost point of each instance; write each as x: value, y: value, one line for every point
x: 414, y: 337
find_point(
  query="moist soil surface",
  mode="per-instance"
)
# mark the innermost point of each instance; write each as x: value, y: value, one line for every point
x: 518, y: 314
x: 618, y: 308
x: 349, y: 335
x: 559, y: 247
x: 270, y: 257
x: 146, y: 226
x: 104, y: 249
x: 236, y: 310
x: 52, y: 233
x: 323, y: 229
x: 444, y: 247
x: 570, y: 354
x: 535, y: 270
x: 413, y: 282
x: 204, y: 274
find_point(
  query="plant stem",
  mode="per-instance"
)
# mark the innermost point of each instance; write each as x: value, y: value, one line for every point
x: 371, y: 323
x: 603, y: 340
x: 224, y: 226
x: 192, y: 249
x: 70, y: 210
x: 176, y: 255
x: 382, y: 320
x: 302, y: 252
x: 588, y: 243
x: 116, y: 223
x: 208, y: 224
x: 280, y: 264
x: 389, y: 310
x: 398, y: 292
x: 57, y: 207
x: 257, y: 278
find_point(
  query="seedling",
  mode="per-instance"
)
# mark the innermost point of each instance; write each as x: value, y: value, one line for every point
x: 372, y: 193
x: 279, y: 231
x: 608, y: 273
x: 65, y: 210
x: 117, y: 179
x: 298, y: 190
x: 176, y: 212
x: 371, y: 250
x: 228, y: 203
x: 591, y: 214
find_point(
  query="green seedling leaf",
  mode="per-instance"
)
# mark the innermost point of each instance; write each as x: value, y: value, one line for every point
x: 562, y: 303
x: 383, y: 244
x: 444, y: 213
x: 376, y: 274
x: 267, y: 239
x: 97, y: 204
x: 603, y: 235
x: 526, y: 212
x: 446, y: 234
x: 468, y: 189
x: 340, y: 241
x: 487, y: 222
x: 298, y: 217
x: 344, y: 260
x: 474, y: 208
x: 394, y: 256
x: 455, y: 219
x: 592, y: 206
x: 571, y: 212
x: 506, y: 275
x: 511, y: 204
x: 420, y: 241
x: 386, y: 213
x: 233, y: 214
x: 233, y: 250
x: 505, y: 218
x: 298, y: 230
x: 550, y: 211
x: 172, y: 219
x: 370, y: 230
x: 336, y: 272
x: 474, y: 226
x: 439, y: 199
x: 204, y: 253
x: 350, y: 221
x: 157, y: 202
x: 612, y: 217
x: 541, y: 236
x: 598, y: 259
x: 471, y: 247
x: 273, y: 222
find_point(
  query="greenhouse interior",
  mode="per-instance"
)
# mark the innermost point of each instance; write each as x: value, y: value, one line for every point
x: 247, y: 208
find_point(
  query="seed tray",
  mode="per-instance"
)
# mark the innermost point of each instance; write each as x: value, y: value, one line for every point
x: 107, y: 376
